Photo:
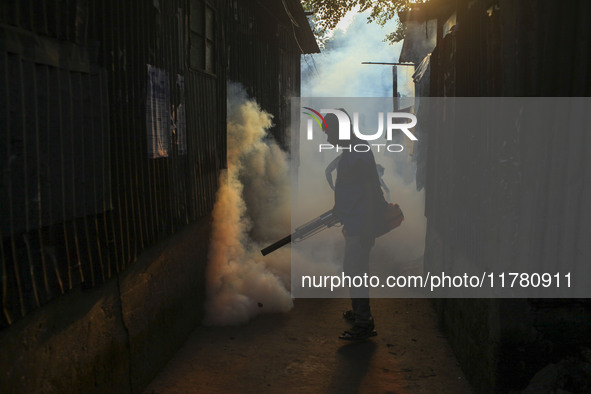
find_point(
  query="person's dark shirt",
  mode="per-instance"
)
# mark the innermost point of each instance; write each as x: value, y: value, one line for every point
x: 357, y: 193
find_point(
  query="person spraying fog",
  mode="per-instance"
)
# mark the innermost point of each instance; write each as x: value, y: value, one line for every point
x: 358, y: 201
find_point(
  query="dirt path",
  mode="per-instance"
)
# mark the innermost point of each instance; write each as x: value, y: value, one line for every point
x: 299, y: 352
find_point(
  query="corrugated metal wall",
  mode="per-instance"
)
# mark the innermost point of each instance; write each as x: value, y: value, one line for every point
x: 517, y: 194
x: 265, y: 59
x: 529, y: 48
x: 80, y: 194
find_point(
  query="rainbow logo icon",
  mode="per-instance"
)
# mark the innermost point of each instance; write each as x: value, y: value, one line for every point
x: 317, y: 117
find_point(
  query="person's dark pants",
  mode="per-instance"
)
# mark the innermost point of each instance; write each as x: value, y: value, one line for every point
x: 356, y: 263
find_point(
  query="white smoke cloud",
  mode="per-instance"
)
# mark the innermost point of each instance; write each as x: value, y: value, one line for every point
x: 252, y: 208
x: 338, y: 72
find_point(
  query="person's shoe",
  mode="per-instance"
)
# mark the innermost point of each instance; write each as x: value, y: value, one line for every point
x: 359, y: 332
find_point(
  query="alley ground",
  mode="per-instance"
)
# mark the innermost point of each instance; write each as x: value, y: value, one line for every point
x: 299, y: 352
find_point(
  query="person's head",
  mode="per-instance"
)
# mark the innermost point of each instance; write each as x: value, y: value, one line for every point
x: 332, y: 133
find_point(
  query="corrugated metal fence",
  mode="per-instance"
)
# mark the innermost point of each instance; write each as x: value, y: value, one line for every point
x: 112, y: 135
x: 516, y: 195
x: 512, y: 49
x: 265, y: 59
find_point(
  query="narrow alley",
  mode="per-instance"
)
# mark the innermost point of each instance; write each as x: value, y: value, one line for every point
x: 151, y: 150
x: 299, y: 352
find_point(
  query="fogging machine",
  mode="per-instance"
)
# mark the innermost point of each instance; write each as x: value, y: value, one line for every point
x: 324, y: 221
x: 390, y: 217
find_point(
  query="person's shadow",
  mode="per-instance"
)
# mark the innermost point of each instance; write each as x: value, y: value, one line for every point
x: 352, y: 364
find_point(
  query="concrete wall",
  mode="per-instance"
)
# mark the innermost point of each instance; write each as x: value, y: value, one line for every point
x: 116, y: 337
